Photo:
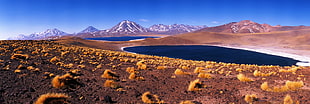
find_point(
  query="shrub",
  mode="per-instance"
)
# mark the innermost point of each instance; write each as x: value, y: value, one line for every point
x: 109, y: 74
x: 204, y: 75
x: 147, y: 97
x: 250, y: 98
x: 195, y: 85
x: 130, y: 70
x: 239, y: 70
x: 187, y: 102
x: 161, y: 67
x: 133, y: 76
x: 243, y: 78
x: 53, y: 98
x: 289, y: 86
x: 20, y: 56
x: 17, y: 71
x: 144, y: 67
x: 258, y: 73
x: 64, y: 81
x: 198, y: 69
x: 111, y: 83
x: 180, y: 72
x: 294, y: 85
x: 264, y: 86
x: 288, y: 100
x: 293, y: 70
x: 54, y: 59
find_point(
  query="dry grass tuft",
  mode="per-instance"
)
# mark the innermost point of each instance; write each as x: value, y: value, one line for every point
x: 133, y: 76
x: 187, y: 102
x: 250, y: 98
x: 147, y: 97
x: 243, y: 78
x: 54, y: 59
x: 161, y: 67
x: 109, y: 74
x: 204, y: 75
x: 53, y: 98
x: 289, y: 86
x: 20, y: 56
x: 64, y: 81
x: 288, y: 100
x: 198, y: 69
x: 130, y: 70
x: 180, y: 72
x: 111, y: 83
x: 195, y: 85
x: 258, y: 73
x: 294, y: 85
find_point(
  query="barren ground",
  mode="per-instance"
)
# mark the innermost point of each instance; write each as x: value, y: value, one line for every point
x: 22, y: 83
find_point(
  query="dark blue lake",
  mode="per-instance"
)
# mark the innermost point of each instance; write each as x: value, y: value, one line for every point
x: 123, y: 38
x: 213, y: 53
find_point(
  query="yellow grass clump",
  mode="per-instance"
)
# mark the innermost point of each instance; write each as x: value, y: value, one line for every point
x: 243, y: 78
x: 17, y: 71
x: 180, y: 72
x: 62, y: 81
x: 288, y: 100
x: 54, y: 59
x: 250, y: 98
x: 239, y: 70
x: 258, y: 73
x: 53, y: 98
x: 195, y: 85
x: 292, y: 70
x: 198, y: 69
x: 130, y: 70
x: 264, y: 86
x: 289, y: 86
x: 147, y: 97
x: 187, y: 102
x: 20, y: 56
x: 110, y: 83
x: 204, y: 75
x: 109, y: 74
x: 161, y: 67
x: 133, y: 76
x: 294, y: 85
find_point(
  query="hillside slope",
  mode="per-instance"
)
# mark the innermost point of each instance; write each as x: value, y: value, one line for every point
x: 29, y: 69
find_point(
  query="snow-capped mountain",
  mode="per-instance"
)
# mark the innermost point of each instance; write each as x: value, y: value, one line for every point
x: 175, y: 28
x: 89, y: 29
x: 41, y: 35
x: 127, y: 27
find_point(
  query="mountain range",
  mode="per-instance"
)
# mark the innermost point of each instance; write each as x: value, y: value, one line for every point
x: 41, y: 35
x: 131, y: 28
x: 123, y: 28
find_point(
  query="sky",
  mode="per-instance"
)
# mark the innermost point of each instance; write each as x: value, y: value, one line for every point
x: 72, y: 16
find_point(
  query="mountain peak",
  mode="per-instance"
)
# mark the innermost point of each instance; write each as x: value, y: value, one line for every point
x: 89, y: 29
x: 127, y: 27
x: 246, y: 21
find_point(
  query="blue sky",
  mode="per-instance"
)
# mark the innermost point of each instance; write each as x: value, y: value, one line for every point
x: 29, y: 16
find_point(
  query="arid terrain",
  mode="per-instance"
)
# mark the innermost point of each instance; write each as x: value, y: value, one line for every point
x: 92, y: 75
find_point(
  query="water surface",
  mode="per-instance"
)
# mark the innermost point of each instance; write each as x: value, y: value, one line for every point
x: 123, y: 38
x: 213, y: 53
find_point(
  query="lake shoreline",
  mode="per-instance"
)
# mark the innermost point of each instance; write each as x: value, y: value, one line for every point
x: 304, y: 61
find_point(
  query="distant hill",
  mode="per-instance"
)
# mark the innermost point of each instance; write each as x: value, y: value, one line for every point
x: 247, y: 26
